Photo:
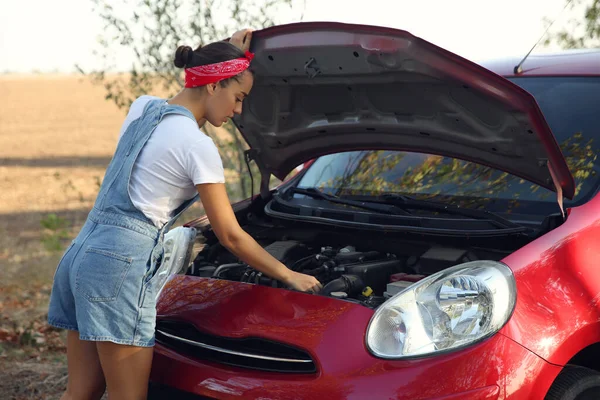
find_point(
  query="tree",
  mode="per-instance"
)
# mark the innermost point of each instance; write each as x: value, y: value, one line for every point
x: 151, y: 30
x: 583, y: 30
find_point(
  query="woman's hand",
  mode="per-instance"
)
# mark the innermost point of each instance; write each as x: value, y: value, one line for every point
x: 303, y: 282
x: 241, y: 39
x: 225, y: 225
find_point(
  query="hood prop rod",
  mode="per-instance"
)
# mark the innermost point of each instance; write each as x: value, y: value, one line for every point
x: 265, y: 175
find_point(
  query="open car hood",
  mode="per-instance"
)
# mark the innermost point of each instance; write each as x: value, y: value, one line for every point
x: 325, y: 87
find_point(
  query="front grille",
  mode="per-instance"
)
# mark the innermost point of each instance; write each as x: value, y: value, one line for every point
x: 251, y: 353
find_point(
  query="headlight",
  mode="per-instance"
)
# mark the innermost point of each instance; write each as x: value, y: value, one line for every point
x: 178, y: 244
x: 446, y: 311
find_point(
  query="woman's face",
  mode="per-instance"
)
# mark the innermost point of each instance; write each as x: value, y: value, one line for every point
x: 224, y: 102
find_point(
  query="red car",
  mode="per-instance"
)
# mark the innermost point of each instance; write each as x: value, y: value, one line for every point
x: 432, y: 214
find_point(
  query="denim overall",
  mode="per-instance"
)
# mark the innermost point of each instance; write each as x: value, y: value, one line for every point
x: 103, y: 285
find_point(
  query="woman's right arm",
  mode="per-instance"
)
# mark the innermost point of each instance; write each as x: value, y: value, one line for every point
x: 231, y: 235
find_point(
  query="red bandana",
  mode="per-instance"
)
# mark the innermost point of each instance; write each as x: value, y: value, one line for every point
x: 213, y: 73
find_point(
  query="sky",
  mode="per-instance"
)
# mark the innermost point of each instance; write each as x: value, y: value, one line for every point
x: 54, y: 36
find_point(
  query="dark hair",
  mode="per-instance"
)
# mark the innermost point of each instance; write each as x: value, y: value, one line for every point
x: 212, y: 53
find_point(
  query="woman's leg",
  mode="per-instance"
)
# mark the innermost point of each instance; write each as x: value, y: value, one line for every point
x: 86, y: 381
x: 127, y: 370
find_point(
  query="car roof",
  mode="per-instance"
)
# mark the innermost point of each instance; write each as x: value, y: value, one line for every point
x: 576, y: 62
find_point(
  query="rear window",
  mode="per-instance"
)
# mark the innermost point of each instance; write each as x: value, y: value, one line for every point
x: 570, y: 106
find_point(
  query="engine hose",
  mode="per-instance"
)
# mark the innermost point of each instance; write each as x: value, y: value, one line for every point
x: 224, y: 267
x: 315, y: 271
x: 351, y: 284
x: 302, y: 262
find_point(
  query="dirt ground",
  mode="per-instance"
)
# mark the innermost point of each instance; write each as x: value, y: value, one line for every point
x: 57, y: 135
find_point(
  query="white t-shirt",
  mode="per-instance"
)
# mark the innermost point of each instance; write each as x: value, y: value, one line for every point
x: 177, y: 157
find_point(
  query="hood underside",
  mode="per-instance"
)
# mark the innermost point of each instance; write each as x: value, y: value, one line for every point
x: 323, y: 88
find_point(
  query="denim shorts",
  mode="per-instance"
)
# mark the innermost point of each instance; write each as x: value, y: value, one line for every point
x: 103, y: 284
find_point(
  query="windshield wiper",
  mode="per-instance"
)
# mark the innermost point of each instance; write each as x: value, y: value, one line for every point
x: 373, y: 206
x: 403, y: 201
x: 399, y: 204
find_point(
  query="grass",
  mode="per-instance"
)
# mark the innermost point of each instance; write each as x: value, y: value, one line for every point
x: 55, y: 232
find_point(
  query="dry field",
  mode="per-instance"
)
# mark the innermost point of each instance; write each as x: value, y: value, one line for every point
x: 57, y: 135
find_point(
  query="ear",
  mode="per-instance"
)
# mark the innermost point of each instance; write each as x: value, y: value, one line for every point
x: 211, y: 88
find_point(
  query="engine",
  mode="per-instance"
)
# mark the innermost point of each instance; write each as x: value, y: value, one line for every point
x: 346, y: 272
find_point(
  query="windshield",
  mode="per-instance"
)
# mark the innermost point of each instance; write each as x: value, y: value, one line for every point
x: 569, y: 105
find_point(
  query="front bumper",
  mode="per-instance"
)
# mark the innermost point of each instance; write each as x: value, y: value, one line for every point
x: 498, y: 368
x: 162, y: 392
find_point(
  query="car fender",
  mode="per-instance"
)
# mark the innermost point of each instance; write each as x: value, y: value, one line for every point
x: 558, y: 288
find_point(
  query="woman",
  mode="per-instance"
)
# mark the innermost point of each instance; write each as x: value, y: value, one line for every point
x: 103, y: 289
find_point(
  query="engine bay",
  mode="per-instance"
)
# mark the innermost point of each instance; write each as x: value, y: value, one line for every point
x: 359, y: 271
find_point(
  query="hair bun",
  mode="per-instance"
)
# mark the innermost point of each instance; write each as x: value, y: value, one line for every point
x: 183, y: 56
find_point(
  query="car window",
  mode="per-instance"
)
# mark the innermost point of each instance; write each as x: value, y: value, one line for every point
x: 570, y: 107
